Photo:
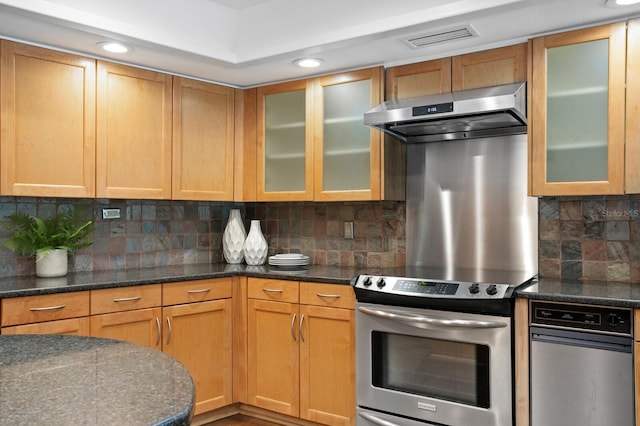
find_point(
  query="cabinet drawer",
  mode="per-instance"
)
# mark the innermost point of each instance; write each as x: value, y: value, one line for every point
x: 32, y: 309
x: 278, y: 290
x: 196, y: 291
x: 333, y: 295
x: 75, y: 326
x: 125, y: 298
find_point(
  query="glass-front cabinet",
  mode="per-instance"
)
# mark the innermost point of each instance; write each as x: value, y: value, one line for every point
x: 312, y: 143
x: 346, y: 152
x: 577, y: 117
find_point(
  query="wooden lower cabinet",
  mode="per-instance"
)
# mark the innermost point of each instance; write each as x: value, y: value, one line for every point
x: 301, y: 358
x: 636, y: 359
x: 75, y: 326
x: 141, y: 326
x: 199, y: 335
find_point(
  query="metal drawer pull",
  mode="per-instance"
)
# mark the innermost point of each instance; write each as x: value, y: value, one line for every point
x: 376, y: 420
x: 204, y: 290
x: 127, y: 299
x: 293, y: 333
x: 49, y: 308
x: 301, y: 335
x: 332, y: 296
x: 159, y: 331
x: 170, y: 331
x: 272, y: 290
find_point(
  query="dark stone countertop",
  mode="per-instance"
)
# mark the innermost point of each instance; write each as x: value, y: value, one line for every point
x: 609, y: 293
x: 73, y: 380
x: 78, y: 281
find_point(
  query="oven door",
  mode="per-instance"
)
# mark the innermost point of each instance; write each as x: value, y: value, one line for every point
x: 435, y: 366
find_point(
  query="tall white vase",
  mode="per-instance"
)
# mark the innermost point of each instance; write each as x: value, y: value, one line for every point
x: 255, y: 246
x: 233, y: 238
x: 53, y: 263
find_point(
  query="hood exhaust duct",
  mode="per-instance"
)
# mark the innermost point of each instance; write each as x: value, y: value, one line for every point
x: 475, y: 113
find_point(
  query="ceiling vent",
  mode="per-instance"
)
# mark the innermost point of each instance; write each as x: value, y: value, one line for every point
x: 441, y: 36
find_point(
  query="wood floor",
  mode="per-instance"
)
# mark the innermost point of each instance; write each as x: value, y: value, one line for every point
x: 241, y: 420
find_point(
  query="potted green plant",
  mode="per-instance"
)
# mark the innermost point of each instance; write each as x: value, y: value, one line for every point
x: 49, y: 239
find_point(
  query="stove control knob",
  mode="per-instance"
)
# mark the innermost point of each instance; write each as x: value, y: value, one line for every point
x: 492, y: 289
x: 381, y: 282
x: 474, y: 288
x: 367, y: 282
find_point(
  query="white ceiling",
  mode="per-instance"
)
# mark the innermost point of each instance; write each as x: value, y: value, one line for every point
x: 246, y: 43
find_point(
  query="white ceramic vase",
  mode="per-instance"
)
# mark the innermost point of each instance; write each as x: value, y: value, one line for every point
x: 255, y: 246
x: 233, y: 238
x: 53, y: 263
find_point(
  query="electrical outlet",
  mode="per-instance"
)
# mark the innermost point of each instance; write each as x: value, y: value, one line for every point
x: 113, y: 213
x: 348, y: 230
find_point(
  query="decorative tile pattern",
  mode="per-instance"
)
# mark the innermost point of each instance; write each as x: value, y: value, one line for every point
x: 590, y: 238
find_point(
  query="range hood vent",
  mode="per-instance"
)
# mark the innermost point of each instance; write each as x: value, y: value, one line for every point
x: 441, y: 36
x: 475, y: 113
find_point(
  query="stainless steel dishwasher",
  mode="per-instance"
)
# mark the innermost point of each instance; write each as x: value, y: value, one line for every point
x: 581, y: 365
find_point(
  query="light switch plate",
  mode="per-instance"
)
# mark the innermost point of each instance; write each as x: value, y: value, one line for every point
x: 113, y: 213
x: 348, y: 230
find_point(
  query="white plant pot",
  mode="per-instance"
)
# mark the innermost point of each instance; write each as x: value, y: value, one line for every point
x: 255, y: 246
x: 52, y: 264
x: 233, y: 238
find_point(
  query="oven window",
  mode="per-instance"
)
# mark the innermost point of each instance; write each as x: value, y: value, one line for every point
x: 442, y: 369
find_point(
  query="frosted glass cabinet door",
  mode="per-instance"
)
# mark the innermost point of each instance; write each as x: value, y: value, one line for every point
x: 347, y: 153
x: 284, y: 142
x: 578, y: 112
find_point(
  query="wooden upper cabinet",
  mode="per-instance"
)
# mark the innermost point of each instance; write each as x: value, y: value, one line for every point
x: 632, y: 139
x: 203, y: 141
x: 47, y: 103
x: 133, y: 133
x: 577, y: 121
x: 490, y: 67
x: 419, y: 79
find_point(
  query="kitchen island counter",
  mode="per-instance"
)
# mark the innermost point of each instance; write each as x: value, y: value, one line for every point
x: 50, y: 379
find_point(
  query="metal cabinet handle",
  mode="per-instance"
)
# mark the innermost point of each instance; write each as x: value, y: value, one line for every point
x: 423, y: 321
x: 301, y: 335
x: 332, y: 296
x: 293, y: 333
x: 127, y: 299
x: 272, y: 290
x: 48, y: 308
x: 204, y: 290
x: 170, y: 331
x: 159, y: 331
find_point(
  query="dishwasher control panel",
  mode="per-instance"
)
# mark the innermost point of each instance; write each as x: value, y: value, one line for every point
x: 587, y: 317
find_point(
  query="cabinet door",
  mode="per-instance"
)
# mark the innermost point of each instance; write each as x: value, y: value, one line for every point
x: 203, y: 132
x: 327, y: 365
x: 52, y: 156
x: 141, y: 326
x: 75, y: 326
x: 632, y: 138
x: 285, y: 162
x: 346, y: 153
x: 199, y: 336
x: 577, y: 123
x: 490, y: 67
x: 419, y: 79
x: 273, y: 356
x: 133, y: 133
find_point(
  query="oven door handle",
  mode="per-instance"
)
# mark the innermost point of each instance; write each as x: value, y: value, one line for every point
x: 422, y: 321
x: 375, y: 419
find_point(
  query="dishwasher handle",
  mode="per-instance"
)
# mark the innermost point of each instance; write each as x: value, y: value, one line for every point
x: 583, y: 339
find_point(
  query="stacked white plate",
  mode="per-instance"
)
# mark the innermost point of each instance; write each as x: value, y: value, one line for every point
x: 289, y: 260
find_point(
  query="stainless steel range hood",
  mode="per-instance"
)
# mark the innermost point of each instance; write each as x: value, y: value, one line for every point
x: 489, y: 111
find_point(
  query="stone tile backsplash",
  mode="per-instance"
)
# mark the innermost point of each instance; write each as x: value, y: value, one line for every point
x: 156, y: 233
x: 594, y: 238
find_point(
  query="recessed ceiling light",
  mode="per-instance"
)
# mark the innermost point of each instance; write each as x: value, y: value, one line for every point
x: 618, y: 3
x: 114, y: 47
x: 308, y: 62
